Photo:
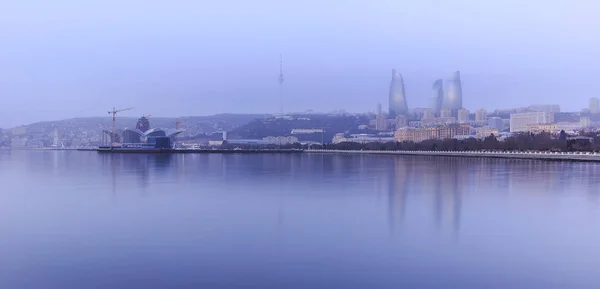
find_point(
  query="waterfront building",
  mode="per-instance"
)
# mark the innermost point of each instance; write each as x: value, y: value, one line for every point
x: 397, y: 96
x: 594, y: 105
x: 446, y: 112
x: 437, y: 132
x: 496, y: 123
x: 428, y: 114
x: 480, y: 115
x: 361, y: 138
x: 520, y: 122
x: 453, y: 97
x: 463, y: 115
x: 281, y: 140
x: 306, y: 130
x: 437, y: 98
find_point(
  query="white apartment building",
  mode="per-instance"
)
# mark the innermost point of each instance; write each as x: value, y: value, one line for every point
x: 520, y: 122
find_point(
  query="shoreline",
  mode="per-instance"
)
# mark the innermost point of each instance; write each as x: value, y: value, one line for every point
x: 547, y: 156
x: 554, y: 156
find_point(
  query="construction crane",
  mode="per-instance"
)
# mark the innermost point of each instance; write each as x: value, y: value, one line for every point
x: 177, y: 122
x: 114, y: 114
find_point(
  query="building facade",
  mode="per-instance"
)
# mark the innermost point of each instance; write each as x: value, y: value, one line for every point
x: 397, y: 97
x: 428, y: 114
x: 446, y: 113
x: 463, y: 115
x: 281, y: 140
x: 381, y: 122
x: 480, y: 115
x: 520, y: 122
x: 544, y: 108
x: 401, y: 121
x: 496, y: 123
x: 594, y: 105
x: 439, y: 132
x: 485, y: 132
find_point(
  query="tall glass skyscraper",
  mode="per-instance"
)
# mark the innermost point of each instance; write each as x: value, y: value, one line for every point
x: 453, y: 97
x: 436, y: 100
x: 397, y: 99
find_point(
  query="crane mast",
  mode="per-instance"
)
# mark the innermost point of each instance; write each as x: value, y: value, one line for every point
x: 114, y: 114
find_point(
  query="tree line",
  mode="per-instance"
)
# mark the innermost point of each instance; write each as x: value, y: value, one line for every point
x: 517, y: 142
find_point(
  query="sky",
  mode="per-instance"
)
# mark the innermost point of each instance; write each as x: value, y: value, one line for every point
x: 71, y: 58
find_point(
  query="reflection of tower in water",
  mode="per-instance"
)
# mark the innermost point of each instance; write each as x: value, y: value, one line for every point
x: 447, y: 190
x: 437, y: 175
x: 398, y: 189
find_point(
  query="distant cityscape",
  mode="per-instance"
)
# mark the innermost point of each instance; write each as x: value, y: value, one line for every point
x: 444, y: 118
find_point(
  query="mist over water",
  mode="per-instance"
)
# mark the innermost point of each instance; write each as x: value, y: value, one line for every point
x: 88, y: 220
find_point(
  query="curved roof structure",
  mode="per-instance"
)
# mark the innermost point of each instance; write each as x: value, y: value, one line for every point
x: 155, y: 132
x: 132, y: 135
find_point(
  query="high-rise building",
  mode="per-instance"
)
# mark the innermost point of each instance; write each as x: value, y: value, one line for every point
x: 453, y: 97
x: 445, y: 112
x: 496, y: 123
x: 381, y: 122
x: 594, y: 105
x: 438, y: 96
x: 480, y: 115
x: 378, y: 108
x: 520, y: 122
x: 463, y: 115
x: 397, y: 97
x: 428, y: 113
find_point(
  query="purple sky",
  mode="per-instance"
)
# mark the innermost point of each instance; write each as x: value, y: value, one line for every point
x: 68, y: 58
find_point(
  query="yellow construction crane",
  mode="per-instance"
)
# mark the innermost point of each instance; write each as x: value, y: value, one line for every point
x: 114, y: 113
x: 177, y: 122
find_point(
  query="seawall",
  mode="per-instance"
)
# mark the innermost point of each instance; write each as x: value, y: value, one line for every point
x: 555, y: 156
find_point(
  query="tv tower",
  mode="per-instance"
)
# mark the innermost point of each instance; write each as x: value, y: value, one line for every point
x: 281, y: 84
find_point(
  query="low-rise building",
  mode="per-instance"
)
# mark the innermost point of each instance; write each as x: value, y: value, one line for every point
x: 361, y: 138
x: 484, y: 132
x: 281, y: 140
x: 435, y: 132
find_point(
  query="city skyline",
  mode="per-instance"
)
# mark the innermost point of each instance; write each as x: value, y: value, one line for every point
x: 202, y: 65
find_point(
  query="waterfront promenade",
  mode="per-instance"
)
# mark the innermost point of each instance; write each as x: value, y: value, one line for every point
x: 557, y: 156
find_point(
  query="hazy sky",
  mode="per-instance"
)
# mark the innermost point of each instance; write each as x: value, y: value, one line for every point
x: 67, y: 58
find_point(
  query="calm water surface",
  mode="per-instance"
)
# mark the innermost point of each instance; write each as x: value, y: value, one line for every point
x: 87, y: 220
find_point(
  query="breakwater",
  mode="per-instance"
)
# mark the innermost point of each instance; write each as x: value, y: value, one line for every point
x: 556, y: 156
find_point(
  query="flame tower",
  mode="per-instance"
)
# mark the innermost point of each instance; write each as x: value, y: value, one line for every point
x: 397, y: 101
x: 453, y: 98
x: 438, y: 96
